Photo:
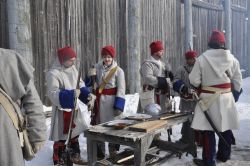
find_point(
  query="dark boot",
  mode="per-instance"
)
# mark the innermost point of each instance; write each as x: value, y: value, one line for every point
x: 198, y: 162
x: 75, y: 155
x: 224, y: 151
x: 76, y: 159
x: 100, y: 151
x: 113, y: 149
x: 58, y: 153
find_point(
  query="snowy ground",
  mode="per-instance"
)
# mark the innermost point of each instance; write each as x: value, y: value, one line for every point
x: 240, y: 152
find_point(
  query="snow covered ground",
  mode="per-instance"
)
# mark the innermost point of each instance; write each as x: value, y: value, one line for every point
x: 240, y: 152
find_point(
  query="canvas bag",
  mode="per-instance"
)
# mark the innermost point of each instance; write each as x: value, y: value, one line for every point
x: 19, y: 123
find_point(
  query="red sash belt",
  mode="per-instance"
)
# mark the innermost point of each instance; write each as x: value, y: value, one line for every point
x: 95, y: 119
x: 219, y: 86
x: 111, y: 91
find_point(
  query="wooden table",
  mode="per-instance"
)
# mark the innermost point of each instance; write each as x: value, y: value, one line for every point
x: 140, y: 141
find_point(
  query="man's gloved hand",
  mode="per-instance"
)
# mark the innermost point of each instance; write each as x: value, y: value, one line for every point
x: 91, y: 101
x: 184, y: 90
x: 171, y: 76
x: 118, y: 114
x: 237, y: 94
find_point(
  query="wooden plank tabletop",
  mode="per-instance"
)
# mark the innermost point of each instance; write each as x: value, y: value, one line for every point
x: 126, y: 134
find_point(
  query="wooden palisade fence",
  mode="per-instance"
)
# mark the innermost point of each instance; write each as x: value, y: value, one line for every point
x: 87, y: 25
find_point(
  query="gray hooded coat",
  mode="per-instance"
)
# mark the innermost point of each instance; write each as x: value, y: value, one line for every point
x: 17, y: 81
x: 186, y: 104
x: 150, y: 70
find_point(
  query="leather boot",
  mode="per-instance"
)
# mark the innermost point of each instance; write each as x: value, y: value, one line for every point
x: 113, y: 149
x: 198, y: 162
x: 76, y: 159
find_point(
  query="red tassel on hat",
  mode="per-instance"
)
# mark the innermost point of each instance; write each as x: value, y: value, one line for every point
x: 217, y: 36
x: 191, y: 54
x: 108, y: 50
x: 156, y: 46
x: 65, y: 53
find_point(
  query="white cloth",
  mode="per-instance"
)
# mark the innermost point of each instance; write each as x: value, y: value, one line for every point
x: 210, y: 69
x: 85, y: 116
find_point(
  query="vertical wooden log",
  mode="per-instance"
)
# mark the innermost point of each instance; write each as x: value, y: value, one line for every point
x: 18, y: 14
x: 188, y: 25
x: 248, y: 37
x: 3, y: 28
x: 134, y: 35
x: 228, y: 23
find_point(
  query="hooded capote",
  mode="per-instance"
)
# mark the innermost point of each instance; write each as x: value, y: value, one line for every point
x: 213, y: 67
x: 150, y: 70
x: 16, y: 79
x: 58, y: 77
x: 108, y: 103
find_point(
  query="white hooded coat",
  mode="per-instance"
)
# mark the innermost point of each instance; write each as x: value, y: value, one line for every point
x: 107, y: 102
x: 59, y: 77
x: 213, y: 67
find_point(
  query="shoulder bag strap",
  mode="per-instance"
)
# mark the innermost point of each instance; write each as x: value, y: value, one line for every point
x: 9, y: 108
x: 106, y: 79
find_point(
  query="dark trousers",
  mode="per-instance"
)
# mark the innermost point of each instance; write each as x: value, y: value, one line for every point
x: 209, y: 147
x: 187, y: 132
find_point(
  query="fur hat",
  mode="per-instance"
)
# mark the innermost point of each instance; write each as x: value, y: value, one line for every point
x: 108, y: 50
x: 191, y: 54
x: 65, y: 53
x: 156, y: 46
x: 217, y: 37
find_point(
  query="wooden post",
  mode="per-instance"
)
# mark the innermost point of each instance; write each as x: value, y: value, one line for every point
x: 134, y: 29
x: 19, y: 26
x: 188, y: 25
x: 248, y: 38
x: 228, y: 23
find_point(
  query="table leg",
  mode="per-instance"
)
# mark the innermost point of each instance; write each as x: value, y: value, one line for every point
x: 92, y: 151
x: 141, y: 150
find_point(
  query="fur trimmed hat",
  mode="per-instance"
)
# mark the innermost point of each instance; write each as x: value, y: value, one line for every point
x: 65, y: 53
x: 156, y: 46
x: 108, y: 50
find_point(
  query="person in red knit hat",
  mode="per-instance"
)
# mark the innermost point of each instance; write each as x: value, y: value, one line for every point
x: 156, y: 83
x: 217, y: 73
x: 156, y: 76
x: 61, y: 90
x: 110, y: 81
x: 182, y: 86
